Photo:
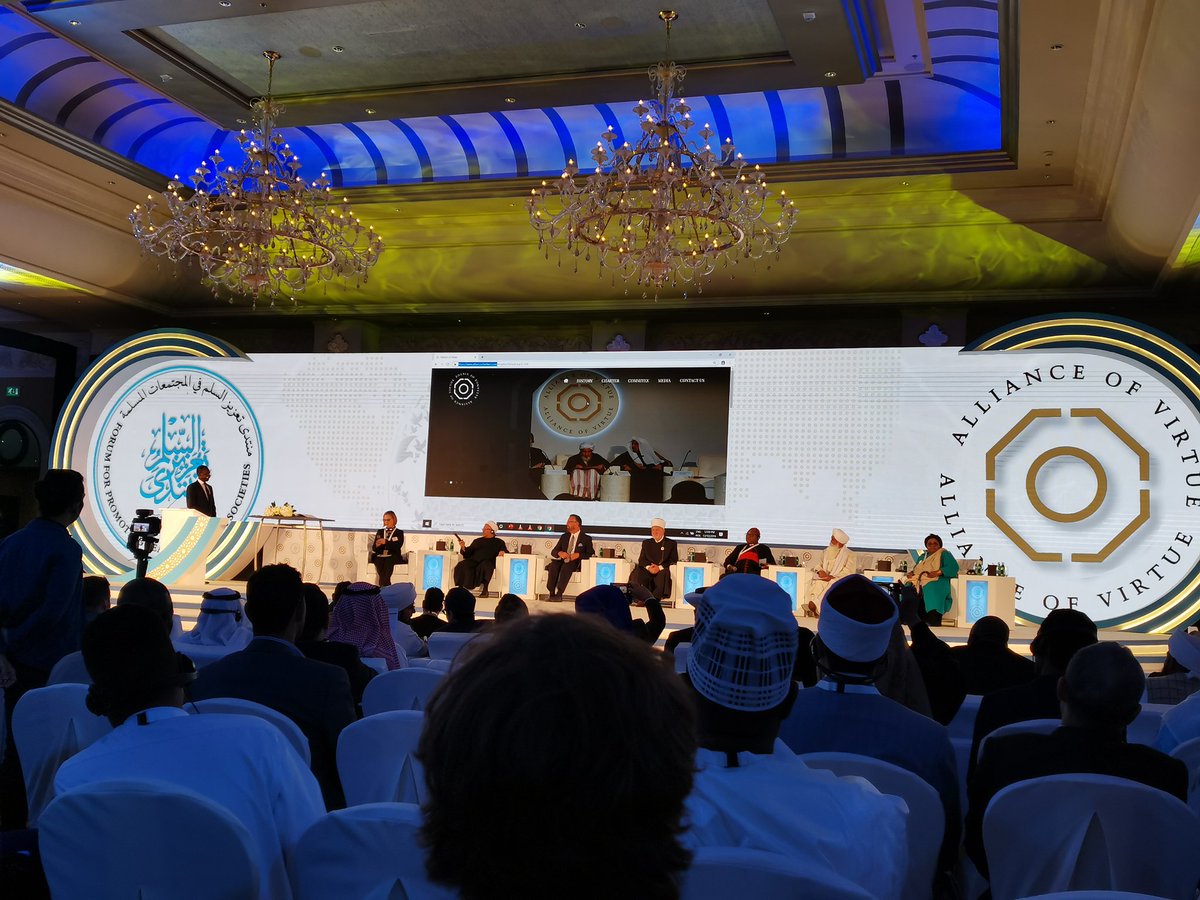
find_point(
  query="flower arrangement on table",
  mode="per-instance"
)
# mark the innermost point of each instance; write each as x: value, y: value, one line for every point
x: 279, y: 511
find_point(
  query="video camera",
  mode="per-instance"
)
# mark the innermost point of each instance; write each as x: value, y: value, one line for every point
x: 143, y: 537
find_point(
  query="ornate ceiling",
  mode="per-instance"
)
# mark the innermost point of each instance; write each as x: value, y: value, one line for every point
x: 950, y: 149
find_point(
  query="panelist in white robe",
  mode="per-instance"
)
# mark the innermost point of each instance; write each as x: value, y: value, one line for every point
x: 837, y: 561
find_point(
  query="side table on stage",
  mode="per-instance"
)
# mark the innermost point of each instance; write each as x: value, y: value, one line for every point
x: 687, y: 577
x: 793, y: 579
x: 976, y: 596
x: 298, y: 522
x: 435, y: 568
x: 604, y: 570
x: 520, y: 574
x: 555, y: 482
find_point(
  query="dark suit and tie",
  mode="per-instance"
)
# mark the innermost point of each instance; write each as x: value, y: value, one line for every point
x: 385, y: 556
x: 578, y: 547
x: 200, y: 498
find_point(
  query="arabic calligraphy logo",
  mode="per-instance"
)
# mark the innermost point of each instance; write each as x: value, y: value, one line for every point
x: 156, y: 434
x: 177, y: 448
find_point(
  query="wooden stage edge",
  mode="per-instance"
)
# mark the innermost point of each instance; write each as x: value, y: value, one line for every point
x: 1150, y: 649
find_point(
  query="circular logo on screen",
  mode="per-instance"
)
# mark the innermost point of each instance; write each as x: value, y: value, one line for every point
x: 159, y: 431
x: 578, y: 403
x: 464, y: 389
x: 1076, y: 475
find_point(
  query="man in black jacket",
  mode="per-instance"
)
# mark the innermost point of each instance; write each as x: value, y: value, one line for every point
x: 386, y: 548
x: 200, y: 495
x: 572, y: 548
x: 273, y: 672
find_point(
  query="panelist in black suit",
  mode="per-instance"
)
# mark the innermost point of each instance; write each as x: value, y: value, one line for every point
x: 654, y: 563
x: 200, y: 495
x: 386, y: 548
x: 273, y: 672
x: 572, y: 547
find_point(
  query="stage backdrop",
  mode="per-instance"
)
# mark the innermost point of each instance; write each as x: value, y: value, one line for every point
x: 1064, y: 448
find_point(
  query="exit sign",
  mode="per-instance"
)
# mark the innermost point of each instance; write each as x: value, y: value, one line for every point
x: 12, y: 391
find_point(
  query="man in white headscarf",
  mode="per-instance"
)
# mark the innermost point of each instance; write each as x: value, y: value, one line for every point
x: 837, y: 561
x: 221, y: 622
x: 645, y: 467
x: 585, y: 468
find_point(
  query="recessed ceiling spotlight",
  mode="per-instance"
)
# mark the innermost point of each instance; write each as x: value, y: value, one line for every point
x: 165, y: 77
x: 510, y: 99
x: 904, y: 184
x: 1047, y: 153
x: 241, y: 121
x: 369, y: 111
x: 809, y: 16
x: 112, y: 182
x: 831, y: 74
x: 225, y: 3
x: 1056, y: 46
x: 1052, y: 121
x: 581, y: 24
x: 75, y: 22
x: 338, y: 48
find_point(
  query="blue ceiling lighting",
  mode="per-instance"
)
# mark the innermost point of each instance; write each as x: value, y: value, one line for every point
x: 956, y: 109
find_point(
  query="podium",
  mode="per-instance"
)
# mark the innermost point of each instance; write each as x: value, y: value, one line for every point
x: 186, y: 539
x: 974, y: 596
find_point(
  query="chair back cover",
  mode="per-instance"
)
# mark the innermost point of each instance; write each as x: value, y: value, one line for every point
x: 353, y: 852
x: 926, y: 817
x: 1189, y: 753
x: 1030, y: 726
x: 70, y: 670
x: 1090, y: 832
x: 50, y: 725
x: 1144, y: 728
x: 400, y: 689
x: 238, y: 707
x: 376, y: 761
x: 446, y: 644
x: 116, y: 840
x: 718, y: 873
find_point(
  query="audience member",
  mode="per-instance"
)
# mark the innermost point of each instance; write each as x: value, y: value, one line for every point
x: 658, y: 554
x: 154, y: 596
x: 1180, y: 675
x: 901, y: 679
x: 845, y: 712
x: 837, y: 561
x: 510, y: 608
x: 242, y: 763
x: 1061, y: 633
x: 1099, y: 697
x: 590, y: 747
x: 221, y: 622
x: 460, y: 612
x: 429, y: 620
x: 1179, y: 724
x: 41, y: 613
x: 313, y: 642
x: 401, y: 600
x: 939, y: 673
x: 361, y: 620
x: 97, y: 596
x: 612, y: 604
x: 985, y: 661
x: 750, y: 790
x: 273, y: 672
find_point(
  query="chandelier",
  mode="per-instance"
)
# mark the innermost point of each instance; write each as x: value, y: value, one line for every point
x: 258, y: 229
x: 663, y: 211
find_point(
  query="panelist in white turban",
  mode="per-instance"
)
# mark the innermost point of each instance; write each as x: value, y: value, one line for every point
x: 585, y: 468
x: 645, y: 467
x: 479, y: 559
x: 658, y: 554
x: 837, y: 561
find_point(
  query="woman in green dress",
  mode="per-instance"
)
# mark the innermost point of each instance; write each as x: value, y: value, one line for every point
x: 931, y: 577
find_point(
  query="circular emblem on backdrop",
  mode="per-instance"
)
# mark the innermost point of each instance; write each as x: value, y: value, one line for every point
x: 578, y: 403
x: 464, y: 389
x: 155, y: 435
